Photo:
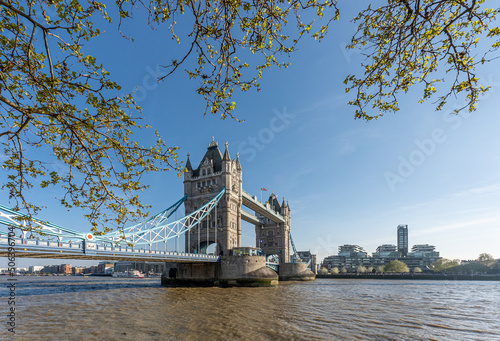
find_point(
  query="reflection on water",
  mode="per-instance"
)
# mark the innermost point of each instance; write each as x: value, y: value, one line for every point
x: 95, y: 308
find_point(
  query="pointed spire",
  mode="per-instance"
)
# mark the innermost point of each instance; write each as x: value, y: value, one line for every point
x: 283, y: 204
x: 213, y: 143
x: 188, y: 165
x: 226, y: 155
x: 238, y: 165
x: 287, y: 204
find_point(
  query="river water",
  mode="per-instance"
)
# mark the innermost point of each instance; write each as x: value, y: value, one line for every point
x: 105, y: 308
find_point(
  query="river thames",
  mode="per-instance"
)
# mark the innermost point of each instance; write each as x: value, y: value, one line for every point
x: 105, y: 308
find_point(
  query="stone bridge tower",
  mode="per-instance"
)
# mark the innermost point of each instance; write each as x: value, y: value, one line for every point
x: 272, y: 237
x: 214, y: 172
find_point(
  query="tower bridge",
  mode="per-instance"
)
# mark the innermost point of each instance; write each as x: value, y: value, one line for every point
x: 217, y: 171
x: 214, y: 204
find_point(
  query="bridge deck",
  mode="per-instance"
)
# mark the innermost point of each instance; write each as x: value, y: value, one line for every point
x: 29, y: 248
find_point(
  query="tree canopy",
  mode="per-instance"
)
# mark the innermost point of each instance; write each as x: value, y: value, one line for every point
x: 57, y: 99
x: 486, y: 259
x: 413, y: 42
x: 396, y: 266
x: 361, y: 269
x: 443, y: 264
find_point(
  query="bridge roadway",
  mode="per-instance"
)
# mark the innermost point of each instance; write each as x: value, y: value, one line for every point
x: 255, y: 205
x: 29, y: 248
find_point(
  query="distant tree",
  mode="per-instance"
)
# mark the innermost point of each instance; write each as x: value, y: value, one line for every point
x: 323, y: 271
x: 343, y: 270
x: 361, y: 269
x: 486, y: 259
x: 417, y: 270
x: 369, y: 269
x: 396, y: 266
x: 334, y: 270
x: 381, y: 268
x: 468, y: 268
x: 443, y: 264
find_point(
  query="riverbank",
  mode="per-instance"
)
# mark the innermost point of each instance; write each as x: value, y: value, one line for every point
x: 423, y: 276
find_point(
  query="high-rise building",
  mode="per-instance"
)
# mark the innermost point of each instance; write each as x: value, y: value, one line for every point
x: 403, y: 240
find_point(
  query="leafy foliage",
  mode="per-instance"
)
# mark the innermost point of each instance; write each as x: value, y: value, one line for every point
x: 412, y: 42
x: 444, y: 264
x: 396, y: 266
x: 472, y: 267
x: 55, y: 96
x: 59, y: 106
x: 486, y: 259
x: 55, y: 99
x: 226, y: 33
x: 361, y: 269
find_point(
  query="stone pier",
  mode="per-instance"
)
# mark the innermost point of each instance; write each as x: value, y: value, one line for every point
x: 248, y: 271
x: 295, y: 272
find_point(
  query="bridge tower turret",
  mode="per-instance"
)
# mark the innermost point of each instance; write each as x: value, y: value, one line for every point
x: 214, y: 172
x: 272, y: 237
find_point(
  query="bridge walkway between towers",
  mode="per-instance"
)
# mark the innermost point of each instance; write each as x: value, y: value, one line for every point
x: 255, y: 205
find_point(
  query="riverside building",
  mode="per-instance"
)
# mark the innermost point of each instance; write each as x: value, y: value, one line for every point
x: 350, y: 257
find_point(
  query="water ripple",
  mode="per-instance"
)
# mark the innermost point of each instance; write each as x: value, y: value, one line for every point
x: 70, y: 308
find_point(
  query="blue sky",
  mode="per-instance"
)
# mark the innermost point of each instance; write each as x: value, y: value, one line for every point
x: 347, y: 181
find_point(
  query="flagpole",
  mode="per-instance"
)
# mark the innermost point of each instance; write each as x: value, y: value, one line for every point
x: 262, y: 189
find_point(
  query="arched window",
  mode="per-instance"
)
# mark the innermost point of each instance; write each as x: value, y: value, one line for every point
x: 204, y: 172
